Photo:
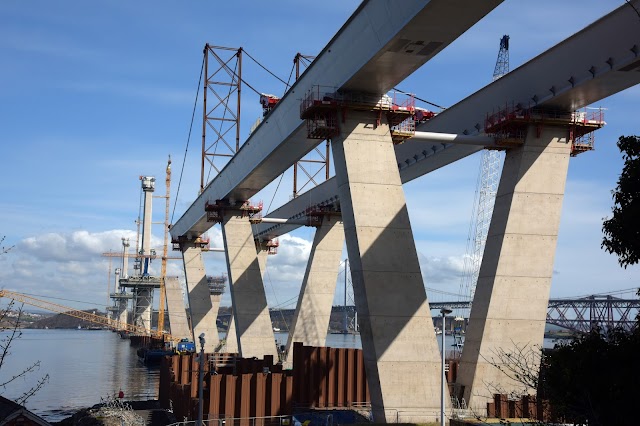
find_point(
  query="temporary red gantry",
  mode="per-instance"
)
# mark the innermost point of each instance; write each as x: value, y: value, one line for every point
x: 324, y: 107
x: 509, y: 125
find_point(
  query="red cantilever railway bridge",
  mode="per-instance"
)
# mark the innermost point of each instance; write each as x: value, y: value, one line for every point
x: 581, y: 314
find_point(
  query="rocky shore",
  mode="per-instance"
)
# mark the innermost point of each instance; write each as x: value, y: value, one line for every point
x: 117, y: 413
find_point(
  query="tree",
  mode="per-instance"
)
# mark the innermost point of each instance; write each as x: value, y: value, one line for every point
x: 9, y: 332
x: 622, y: 231
x: 521, y: 365
x: 593, y: 380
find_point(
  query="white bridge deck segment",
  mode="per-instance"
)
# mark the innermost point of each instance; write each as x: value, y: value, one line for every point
x: 597, y: 62
x: 380, y: 45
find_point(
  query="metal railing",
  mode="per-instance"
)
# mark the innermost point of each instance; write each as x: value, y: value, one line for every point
x: 244, y: 421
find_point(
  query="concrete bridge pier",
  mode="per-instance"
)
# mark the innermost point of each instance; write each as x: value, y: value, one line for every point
x: 510, y: 304
x: 121, y: 314
x: 142, y: 307
x: 262, y: 251
x: 203, y: 316
x: 250, y: 310
x: 178, y: 322
x: 231, y: 339
x: 401, y: 354
x: 311, y: 317
x: 215, y: 298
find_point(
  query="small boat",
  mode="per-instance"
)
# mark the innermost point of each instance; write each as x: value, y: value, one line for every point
x: 276, y: 329
x: 152, y: 356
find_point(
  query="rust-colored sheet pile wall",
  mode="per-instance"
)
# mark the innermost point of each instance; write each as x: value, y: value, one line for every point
x: 240, y: 388
x: 236, y: 387
x: 256, y: 388
x: 328, y: 377
x: 527, y: 407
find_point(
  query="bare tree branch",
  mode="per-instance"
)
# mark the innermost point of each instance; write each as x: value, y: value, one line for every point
x: 10, y: 331
x: 33, y: 367
x: 4, y: 250
x: 14, y: 332
x: 521, y: 365
x: 28, y: 394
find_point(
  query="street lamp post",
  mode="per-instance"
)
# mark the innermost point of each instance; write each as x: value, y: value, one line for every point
x: 444, y: 312
x: 200, y: 378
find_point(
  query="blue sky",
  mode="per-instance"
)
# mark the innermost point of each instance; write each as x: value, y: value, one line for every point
x: 94, y: 94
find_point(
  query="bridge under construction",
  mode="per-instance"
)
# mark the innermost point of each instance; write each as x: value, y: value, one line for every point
x: 343, y: 115
x: 378, y: 142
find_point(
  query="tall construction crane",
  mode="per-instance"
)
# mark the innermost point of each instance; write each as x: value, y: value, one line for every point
x: 502, y: 63
x: 85, y: 316
x: 486, y: 189
x: 163, y: 274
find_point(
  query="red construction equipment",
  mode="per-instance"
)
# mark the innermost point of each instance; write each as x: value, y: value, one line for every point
x: 322, y: 106
x: 509, y: 125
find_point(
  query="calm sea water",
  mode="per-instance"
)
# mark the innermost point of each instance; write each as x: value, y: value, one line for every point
x: 85, y: 366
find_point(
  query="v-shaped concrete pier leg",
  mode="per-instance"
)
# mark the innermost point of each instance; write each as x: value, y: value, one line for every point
x: 311, y: 317
x: 401, y: 354
x: 250, y: 310
x: 178, y: 323
x: 512, y: 294
x: 231, y: 340
x: 122, y: 314
x: 203, y: 317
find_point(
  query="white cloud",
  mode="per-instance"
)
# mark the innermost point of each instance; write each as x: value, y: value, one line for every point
x: 69, y: 265
x: 441, y: 271
x: 79, y: 245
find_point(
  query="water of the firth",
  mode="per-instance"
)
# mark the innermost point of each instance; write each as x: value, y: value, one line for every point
x: 85, y: 366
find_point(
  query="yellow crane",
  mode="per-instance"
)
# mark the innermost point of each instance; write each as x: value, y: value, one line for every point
x: 85, y: 316
x: 163, y: 273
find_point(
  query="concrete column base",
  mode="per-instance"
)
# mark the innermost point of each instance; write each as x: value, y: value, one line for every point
x: 122, y: 314
x: 510, y: 304
x: 178, y: 322
x: 311, y: 318
x: 142, y: 307
x: 231, y: 341
x: 203, y: 316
